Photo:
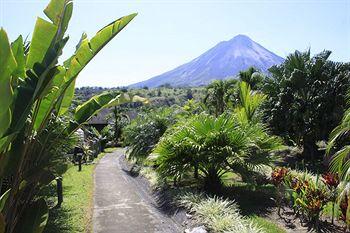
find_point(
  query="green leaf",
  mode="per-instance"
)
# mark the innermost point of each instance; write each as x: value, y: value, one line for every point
x: 48, y: 102
x: 3, y: 199
x: 7, y: 66
x: 9, y: 160
x: 44, y: 34
x: 94, y: 105
x: 34, y: 218
x: 5, y: 142
x: 67, y: 98
x: 60, y: 13
x: 86, y: 51
x: 18, y: 52
x: 85, y: 111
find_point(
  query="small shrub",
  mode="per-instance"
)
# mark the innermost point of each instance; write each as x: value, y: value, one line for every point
x: 308, y: 195
x: 217, y: 214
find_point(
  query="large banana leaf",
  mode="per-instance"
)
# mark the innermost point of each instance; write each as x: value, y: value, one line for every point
x: 7, y: 66
x: 74, y: 65
x: 47, y: 34
x: 94, y: 105
x: 60, y: 12
x: 45, y: 48
x: 18, y: 52
x: 48, y: 102
x: 44, y: 34
x: 86, y: 51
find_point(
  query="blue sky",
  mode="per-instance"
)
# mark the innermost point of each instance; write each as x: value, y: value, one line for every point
x: 166, y: 34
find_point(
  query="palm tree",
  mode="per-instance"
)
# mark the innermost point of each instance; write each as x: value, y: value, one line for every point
x: 211, y: 146
x: 251, y: 76
x: 249, y: 103
x: 306, y: 99
x: 340, y: 161
x: 218, y: 95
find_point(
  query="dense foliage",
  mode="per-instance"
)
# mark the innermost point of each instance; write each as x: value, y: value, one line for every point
x: 145, y: 131
x: 306, y: 98
x: 210, y: 146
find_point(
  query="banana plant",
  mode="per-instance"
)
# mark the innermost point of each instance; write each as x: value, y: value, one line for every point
x: 36, y: 93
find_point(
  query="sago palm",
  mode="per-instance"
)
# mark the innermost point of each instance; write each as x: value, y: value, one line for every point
x: 211, y: 146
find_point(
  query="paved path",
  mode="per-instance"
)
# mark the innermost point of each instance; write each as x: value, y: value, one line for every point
x: 120, y: 205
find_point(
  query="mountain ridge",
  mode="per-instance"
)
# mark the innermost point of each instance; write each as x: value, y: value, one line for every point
x: 222, y: 61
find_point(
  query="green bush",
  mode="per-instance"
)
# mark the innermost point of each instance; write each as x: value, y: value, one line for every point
x: 306, y: 99
x: 210, y: 146
x: 144, y: 132
x: 217, y: 214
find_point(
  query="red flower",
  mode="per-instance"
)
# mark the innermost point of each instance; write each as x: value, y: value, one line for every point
x: 331, y: 179
x: 278, y: 175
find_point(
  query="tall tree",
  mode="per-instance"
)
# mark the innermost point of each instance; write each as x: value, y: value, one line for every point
x: 306, y: 98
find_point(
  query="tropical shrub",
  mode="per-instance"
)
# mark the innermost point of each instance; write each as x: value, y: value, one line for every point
x: 36, y: 92
x: 248, y: 104
x: 300, y: 91
x: 144, y: 132
x: 119, y: 121
x: 310, y: 199
x: 332, y: 181
x: 210, y: 146
x: 217, y: 214
x: 278, y: 179
x: 308, y: 194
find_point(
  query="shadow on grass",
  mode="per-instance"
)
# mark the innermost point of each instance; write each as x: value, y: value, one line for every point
x: 252, y: 199
x: 58, y: 217
x: 58, y: 221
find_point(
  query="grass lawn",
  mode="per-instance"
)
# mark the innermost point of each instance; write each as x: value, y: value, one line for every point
x: 75, y: 215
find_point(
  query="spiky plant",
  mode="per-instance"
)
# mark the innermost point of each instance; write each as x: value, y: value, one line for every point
x: 210, y: 147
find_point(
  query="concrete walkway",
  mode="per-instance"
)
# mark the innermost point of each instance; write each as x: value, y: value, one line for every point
x: 120, y: 205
